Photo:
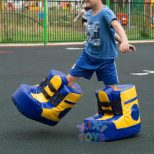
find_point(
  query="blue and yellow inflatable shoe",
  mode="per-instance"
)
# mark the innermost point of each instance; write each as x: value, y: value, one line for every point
x: 118, y: 114
x: 49, y: 101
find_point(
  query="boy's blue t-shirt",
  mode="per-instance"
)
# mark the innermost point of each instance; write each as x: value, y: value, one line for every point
x: 100, y: 43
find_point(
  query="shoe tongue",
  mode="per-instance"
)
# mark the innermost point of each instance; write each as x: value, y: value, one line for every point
x: 57, y: 79
x: 113, y: 95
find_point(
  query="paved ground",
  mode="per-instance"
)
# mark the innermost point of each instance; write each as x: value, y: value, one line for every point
x: 19, y: 135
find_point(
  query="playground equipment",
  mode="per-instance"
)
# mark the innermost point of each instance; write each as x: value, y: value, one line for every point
x: 35, y: 5
x: 123, y: 19
x: 1, y: 5
x: 149, y: 13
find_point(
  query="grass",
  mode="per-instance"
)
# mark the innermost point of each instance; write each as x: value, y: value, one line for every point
x: 54, y: 35
x: 59, y: 35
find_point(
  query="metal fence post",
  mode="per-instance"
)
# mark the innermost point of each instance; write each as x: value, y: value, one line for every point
x: 45, y: 23
x: 108, y: 3
x: 129, y: 14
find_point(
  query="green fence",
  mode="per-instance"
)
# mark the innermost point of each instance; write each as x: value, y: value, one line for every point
x: 140, y: 24
x: 61, y: 27
x: 24, y: 21
x: 19, y: 23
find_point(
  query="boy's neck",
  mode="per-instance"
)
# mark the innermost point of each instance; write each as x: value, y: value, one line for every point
x: 97, y: 8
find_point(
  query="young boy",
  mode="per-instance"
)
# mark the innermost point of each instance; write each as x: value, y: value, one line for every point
x: 100, y: 51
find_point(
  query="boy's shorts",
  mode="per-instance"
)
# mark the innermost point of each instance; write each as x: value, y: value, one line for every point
x: 105, y: 69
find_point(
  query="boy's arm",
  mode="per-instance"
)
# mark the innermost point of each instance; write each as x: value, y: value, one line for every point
x: 122, y: 38
x: 117, y: 38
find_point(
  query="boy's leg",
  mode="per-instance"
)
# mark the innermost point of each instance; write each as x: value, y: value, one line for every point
x: 71, y: 80
x: 76, y: 72
x: 114, y: 87
x: 108, y: 74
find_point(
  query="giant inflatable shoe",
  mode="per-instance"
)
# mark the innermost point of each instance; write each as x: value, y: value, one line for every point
x: 49, y: 101
x: 118, y: 114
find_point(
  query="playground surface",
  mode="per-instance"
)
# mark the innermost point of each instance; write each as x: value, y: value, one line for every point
x: 19, y: 135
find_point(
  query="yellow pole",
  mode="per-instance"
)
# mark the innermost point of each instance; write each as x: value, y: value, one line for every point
x: 0, y: 4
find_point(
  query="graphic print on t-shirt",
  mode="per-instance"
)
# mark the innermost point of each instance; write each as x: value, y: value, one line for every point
x: 93, y: 34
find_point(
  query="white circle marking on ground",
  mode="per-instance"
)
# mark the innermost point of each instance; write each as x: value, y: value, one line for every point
x: 139, y: 74
x: 74, y: 48
x: 148, y: 71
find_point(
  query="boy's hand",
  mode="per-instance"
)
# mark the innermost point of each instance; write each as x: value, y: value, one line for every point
x: 125, y: 47
x: 132, y: 48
